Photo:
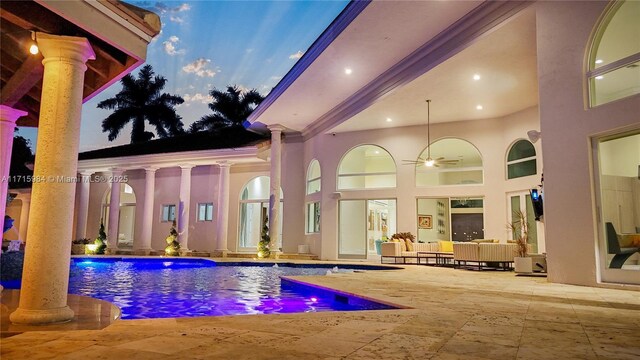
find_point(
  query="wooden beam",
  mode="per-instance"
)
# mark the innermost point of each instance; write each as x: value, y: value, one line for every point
x: 29, y: 74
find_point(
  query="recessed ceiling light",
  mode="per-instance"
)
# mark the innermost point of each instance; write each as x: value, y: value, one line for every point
x: 599, y: 77
x: 479, y: 107
x: 377, y: 151
x: 476, y: 77
x: 599, y: 61
x: 348, y: 71
x: 389, y: 120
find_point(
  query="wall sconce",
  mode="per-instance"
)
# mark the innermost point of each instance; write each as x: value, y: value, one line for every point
x: 33, y: 49
x: 533, y: 135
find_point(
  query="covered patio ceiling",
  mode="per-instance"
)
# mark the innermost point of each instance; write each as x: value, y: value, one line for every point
x: 504, y: 64
x: 118, y: 33
x: 400, y: 54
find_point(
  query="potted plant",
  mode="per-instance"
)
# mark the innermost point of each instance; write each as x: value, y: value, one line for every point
x: 265, y: 240
x: 100, y: 243
x: 173, y: 246
x: 78, y: 246
x: 520, y: 230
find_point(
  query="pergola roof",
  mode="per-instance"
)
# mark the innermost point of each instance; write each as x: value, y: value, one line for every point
x: 118, y: 33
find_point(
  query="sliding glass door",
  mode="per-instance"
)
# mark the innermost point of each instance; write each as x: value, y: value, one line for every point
x: 361, y: 223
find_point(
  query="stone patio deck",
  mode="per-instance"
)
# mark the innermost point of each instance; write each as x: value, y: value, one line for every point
x: 456, y: 314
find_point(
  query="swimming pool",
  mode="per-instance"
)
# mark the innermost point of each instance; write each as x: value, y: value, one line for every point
x: 186, y: 287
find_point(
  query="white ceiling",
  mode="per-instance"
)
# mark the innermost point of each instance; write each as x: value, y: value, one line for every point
x: 381, y: 36
x: 506, y: 61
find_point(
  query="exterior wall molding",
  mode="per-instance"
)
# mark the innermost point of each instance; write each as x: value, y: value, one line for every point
x: 443, y: 46
x: 164, y: 160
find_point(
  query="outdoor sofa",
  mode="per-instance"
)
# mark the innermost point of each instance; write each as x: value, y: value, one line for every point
x: 398, y: 251
x: 485, y: 254
x: 481, y: 253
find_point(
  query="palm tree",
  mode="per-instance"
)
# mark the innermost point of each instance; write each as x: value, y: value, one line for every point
x: 141, y: 100
x: 230, y: 109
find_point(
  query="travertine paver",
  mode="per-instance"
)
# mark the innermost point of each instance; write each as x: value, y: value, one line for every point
x: 454, y: 314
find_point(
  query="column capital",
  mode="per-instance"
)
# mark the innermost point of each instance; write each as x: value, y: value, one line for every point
x: 276, y: 128
x: 55, y: 47
x: 115, y: 172
x: 86, y: 172
x: 150, y: 169
x: 186, y: 166
x: 224, y: 163
x: 10, y: 114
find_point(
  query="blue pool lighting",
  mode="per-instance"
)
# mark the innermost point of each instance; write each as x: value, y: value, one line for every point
x: 187, y: 287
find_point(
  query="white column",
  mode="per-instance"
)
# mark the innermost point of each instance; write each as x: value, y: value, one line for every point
x: 222, y: 215
x: 114, y: 210
x: 183, y: 207
x: 24, y: 215
x: 83, y: 204
x: 8, y: 117
x: 274, y: 188
x: 45, y: 277
x: 143, y: 245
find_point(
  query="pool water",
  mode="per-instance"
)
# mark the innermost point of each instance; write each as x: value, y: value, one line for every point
x: 159, y: 288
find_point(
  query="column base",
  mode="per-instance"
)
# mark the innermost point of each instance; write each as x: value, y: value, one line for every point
x: 220, y: 253
x: 111, y: 251
x: 275, y: 254
x: 185, y: 252
x: 144, y: 252
x: 41, y: 317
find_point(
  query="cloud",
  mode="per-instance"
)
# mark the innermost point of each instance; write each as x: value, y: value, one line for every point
x: 163, y: 8
x: 170, y: 46
x: 264, y: 89
x: 176, y: 19
x: 197, y: 97
x: 200, y: 68
x: 296, y: 55
x: 276, y: 78
x: 248, y: 51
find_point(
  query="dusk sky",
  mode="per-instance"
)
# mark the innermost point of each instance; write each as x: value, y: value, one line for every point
x: 212, y: 44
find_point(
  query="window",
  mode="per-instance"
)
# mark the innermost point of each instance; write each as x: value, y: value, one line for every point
x: 456, y: 162
x: 366, y: 167
x: 168, y: 213
x: 614, y: 61
x: 313, y: 177
x: 313, y: 217
x: 205, y: 212
x: 521, y: 160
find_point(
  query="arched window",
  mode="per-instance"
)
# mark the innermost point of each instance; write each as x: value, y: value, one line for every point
x: 313, y: 177
x: 456, y: 162
x: 614, y: 58
x: 366, y: 167
x: 521, y: 160
x: 254, y: 211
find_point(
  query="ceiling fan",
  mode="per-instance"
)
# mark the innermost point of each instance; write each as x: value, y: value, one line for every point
x: 430, y: 162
